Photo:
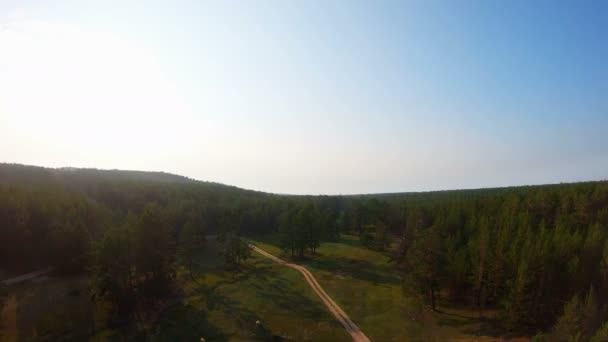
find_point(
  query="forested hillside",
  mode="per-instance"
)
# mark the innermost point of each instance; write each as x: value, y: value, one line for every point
x: 532, y: 252
x: 537, y: 254
x: 53, y: 215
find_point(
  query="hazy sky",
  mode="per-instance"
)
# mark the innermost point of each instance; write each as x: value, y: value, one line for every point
x: 310, y: 97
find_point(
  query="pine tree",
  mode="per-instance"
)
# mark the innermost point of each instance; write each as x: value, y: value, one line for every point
x: 381, y: 237
x: 481, y: 253
x: 287, y: 237
x: 569, y: 326
x: 191, y: 241
x: 236, y: 249
x: 423, y: 266
x: 154, y: 253
x: 113, y: 272
x: 591, y: 314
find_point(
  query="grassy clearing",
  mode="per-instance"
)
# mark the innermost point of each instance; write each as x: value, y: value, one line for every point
x: 224, y: 305
x: 365, y: 286
x: 368, y: 288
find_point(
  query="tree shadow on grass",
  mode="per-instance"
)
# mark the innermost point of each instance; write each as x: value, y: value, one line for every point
x: 295, y: 303
x: 243, y: 317
x: 268, y: 285
x: 358, y: 269
x: 184, y: 322
x: 474, y: 325
x: 353, y: 241
x: 282, y: 294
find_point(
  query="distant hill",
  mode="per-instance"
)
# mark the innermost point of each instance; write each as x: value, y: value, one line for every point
x: 19, y: 174
x: 31, y: 175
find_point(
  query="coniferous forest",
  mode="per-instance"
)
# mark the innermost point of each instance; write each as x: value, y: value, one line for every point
x: 537, y: 255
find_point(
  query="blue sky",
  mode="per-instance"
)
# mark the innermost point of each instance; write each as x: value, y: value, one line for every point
x: 310, y: 97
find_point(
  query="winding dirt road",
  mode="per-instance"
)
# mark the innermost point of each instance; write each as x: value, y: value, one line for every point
x: 340, y: 315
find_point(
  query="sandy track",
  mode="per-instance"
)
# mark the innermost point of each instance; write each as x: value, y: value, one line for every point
x: 26, y: 276
x: 340, y: 315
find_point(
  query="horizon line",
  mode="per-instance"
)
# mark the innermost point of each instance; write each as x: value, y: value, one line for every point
x: 388, y: 193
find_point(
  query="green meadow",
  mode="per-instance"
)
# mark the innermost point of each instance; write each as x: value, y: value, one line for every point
x: 368, y: 288
x: 224, y: 305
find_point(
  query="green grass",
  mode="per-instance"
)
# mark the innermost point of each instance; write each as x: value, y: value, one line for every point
x: 224, y: 305
x: 368, y: 288
x: 365, y: 285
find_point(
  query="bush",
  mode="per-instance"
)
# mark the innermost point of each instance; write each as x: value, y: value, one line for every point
x: 602, y: 334
x: 367, y: 239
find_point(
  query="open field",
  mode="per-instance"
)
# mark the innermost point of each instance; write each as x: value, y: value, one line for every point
x: 224, y: 305
x: 367, y: 287
x: 355, y: 332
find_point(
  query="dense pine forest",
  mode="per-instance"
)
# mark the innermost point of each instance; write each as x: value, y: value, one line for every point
x: 538, y: 255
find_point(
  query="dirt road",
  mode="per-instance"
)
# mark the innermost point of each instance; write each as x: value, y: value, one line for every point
x: 26, y: 276
x: 340, y: 315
